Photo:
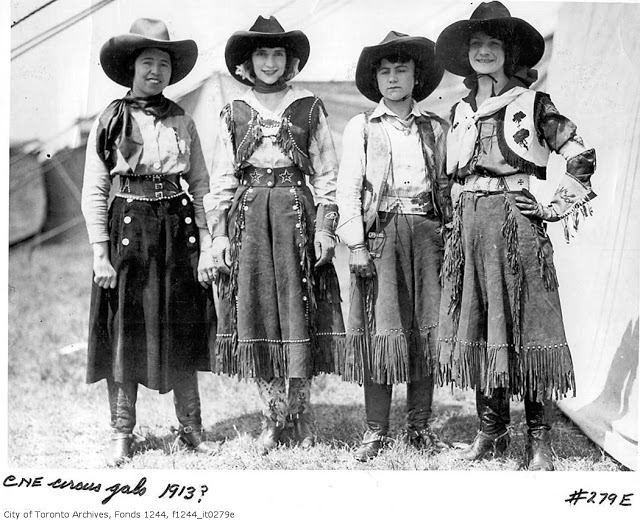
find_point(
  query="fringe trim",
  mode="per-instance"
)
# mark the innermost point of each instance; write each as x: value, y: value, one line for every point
x: 509, y: 231
x: 547, y: 269
x: 422, y: 354
x: 443, y: 370
x: 453, y: 263
x: 571, y: 220
x: 328, y: 353
x: 307, y: 254
x: 327, y: 284
x: 287, y: 144
x: 353, y: 361
x: 541, y: 372
x: 390, y: 359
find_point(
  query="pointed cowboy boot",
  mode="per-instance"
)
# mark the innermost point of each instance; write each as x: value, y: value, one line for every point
x: 377, y: 403
x: 493, y: 437
x: 419, y: 401
x: 186, y: 400
x: 122, y: 405
x: 539, y: 455
x: 270, y: 434
x: 302, y: 431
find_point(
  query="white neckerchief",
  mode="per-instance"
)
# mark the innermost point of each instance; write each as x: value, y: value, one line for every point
x: 463, y: 135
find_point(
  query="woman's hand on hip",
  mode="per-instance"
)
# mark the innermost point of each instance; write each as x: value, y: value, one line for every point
x: 325, y: 246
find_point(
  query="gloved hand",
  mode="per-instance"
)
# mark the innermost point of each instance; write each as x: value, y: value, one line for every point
x: 221, y: 251
x: 324, y: 244
x: 360, y: 261
x: 530, y: 207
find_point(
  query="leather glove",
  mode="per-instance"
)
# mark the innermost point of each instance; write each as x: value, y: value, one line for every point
x: 221, y: 251
x: 530, y: 207
x: 324, y: 244
x: 360, y: 261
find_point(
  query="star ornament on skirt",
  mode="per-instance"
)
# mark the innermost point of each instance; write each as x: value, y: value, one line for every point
x: 285, y: 176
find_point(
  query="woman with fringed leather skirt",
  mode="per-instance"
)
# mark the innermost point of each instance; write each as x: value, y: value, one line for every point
x: 501, y: 327
x: 280, y: 317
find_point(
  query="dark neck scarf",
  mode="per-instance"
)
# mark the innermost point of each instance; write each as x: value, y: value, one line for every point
x: 267, y: 88
x: 117, y: 129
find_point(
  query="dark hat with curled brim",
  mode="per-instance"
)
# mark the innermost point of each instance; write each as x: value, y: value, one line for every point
x: 118, y: 52
x: 264, y: 33
x: 452, y: 46
x: 420, y: 49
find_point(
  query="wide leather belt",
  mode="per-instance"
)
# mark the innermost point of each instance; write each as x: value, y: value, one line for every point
x: 482, y: 183
x: 407, y: 205
x: 272, y: 177
x: 150, y: 187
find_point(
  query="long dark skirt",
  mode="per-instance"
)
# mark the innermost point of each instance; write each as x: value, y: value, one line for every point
x: 501, y: 322
x: 393, y: 317
x: 153, y: 327
x: 279, y: 316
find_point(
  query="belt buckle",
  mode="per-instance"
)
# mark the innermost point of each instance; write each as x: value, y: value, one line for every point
x: 158, y: 194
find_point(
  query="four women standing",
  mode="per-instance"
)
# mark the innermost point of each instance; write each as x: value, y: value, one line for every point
x: 279, y: 313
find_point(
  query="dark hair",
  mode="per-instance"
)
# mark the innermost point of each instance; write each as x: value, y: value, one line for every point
x: 400, y: 57
x: 510, y: 45
x: 288, y: 68
x: 131, y: 62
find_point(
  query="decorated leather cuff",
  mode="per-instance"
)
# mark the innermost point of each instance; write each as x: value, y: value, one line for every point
x: 327, y: 218
x: 217, y: 222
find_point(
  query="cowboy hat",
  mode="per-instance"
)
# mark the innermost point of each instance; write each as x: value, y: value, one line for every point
x: 420, y: 49
x: 117, y: 52
x: 493, y: 18
x: 264, y: 33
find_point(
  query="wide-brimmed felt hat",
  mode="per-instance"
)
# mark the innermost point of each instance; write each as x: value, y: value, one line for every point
x: 116, y: 54
x: 419, y: 48
x: 452, y: 46
x: 264, y: 33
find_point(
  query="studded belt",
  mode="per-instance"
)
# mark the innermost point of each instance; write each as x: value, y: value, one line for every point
x: 150, y: 187
x: 482, y: 183
x: 272, y: 177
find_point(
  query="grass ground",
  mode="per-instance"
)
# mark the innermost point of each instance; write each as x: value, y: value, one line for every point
x: 55, y: 420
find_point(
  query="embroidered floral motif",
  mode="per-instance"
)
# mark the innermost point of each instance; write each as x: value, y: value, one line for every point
x: 565, y: 195
x: 518, y: 116
x: 520, y: 137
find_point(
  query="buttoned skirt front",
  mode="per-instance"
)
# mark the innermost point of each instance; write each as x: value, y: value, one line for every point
x: 279, y: 315
x: 153, y: 327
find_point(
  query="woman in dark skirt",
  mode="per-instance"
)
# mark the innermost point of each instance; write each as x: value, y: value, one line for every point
x: 152, y: 262
x: 279, y: 319
x: 501, y: 329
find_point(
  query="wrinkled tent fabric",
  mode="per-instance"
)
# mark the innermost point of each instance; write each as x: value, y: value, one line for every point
x: 594, y: 77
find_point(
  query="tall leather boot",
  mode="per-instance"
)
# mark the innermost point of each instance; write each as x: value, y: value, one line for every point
x: 377, y: 402
x: 302, y: 430
x: 539, y: 455
x: 186, y: 400
x: 270, y: 434
x: 493, y: 437
x: 419, y: 401
x: 122, y: 405
x: 299, y: 397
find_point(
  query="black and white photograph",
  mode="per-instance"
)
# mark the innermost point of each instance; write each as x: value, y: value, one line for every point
x: 321, y: 258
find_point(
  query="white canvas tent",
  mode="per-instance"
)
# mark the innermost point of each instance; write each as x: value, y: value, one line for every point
x: 594, y: 76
